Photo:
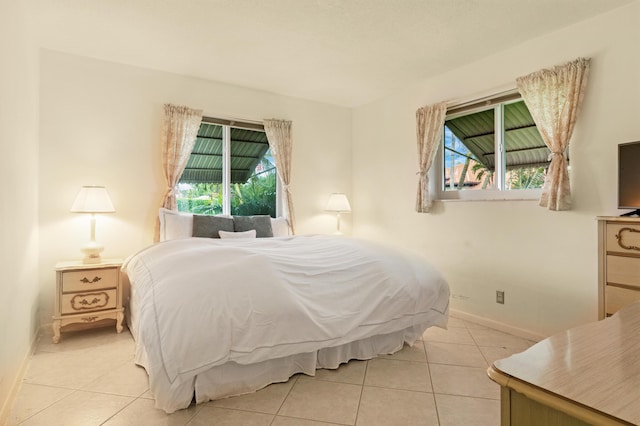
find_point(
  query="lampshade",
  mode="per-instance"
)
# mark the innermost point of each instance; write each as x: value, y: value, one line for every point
x: 92, y: 199
x: 338, y: 202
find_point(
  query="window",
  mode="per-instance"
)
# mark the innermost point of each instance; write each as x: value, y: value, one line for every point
x: 230, y: 171
x: 491, y: 150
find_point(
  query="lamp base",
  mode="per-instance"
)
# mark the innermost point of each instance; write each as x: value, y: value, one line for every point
x: 92, y: 252
x: 91, y: 260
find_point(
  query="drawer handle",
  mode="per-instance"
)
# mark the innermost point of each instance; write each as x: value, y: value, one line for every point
x: 89, y: 319
x: 619, y: 238
x: 84, y: 301
x: 88, y: 281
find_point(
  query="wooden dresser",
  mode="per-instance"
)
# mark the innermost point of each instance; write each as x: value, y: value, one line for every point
x: 618, y: 263
x: 588, y: 375
x: 87, y: 294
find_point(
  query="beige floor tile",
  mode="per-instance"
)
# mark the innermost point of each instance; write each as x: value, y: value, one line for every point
x: 456, y: 322
x: 494, y: 353
x: 80, y: 409
x: 409, y: 353
x: 351, y: 372
x: 387, y: 373
x: 142, y: 411
x: 71, y: 370
x: 148, y: 395
x: 33, y: 399
x: 86, y: 339
x: 209, y: 415
x: 453, y: 335
x: 100, y: 364
x: 128, y: 380
x: 454, y: 354
x: 267, y: 400
x: 463, y: 381
x: 391, y: 407
x: 474, y: 325
x: 489, y: 337
x: 461, y: 410
x: 322, y: 401
x: 114, y: 353
x: 290, y: 421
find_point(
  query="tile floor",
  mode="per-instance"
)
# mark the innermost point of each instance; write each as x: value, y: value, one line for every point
x: 89, y: 379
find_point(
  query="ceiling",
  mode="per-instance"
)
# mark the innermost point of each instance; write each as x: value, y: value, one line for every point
x: 342, y: 52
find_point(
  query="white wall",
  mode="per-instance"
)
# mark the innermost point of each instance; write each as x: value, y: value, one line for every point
x: 100, y: 124
x: 546, y: 262
x: 18, y: 209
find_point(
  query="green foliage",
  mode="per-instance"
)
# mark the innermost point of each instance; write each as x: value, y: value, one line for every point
x: 256, y: 196
x: 481, y: 171
x: 526, y: 178
x: 199, y: 206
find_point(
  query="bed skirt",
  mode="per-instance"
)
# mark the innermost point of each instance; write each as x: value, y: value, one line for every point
x: 232, y: 379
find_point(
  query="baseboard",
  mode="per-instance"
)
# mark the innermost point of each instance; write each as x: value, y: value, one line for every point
x: 497, y: 325
x: 7, y: 404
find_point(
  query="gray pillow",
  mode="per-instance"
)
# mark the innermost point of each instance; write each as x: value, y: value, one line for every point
x: 261, y: 223
x: 208, y: 226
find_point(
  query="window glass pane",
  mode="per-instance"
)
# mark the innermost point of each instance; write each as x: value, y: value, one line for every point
x: 526, y: 155
x: 252, y: 172
x: 200, y: 188
x: 200, y: 198
x: 256, y: 195
x: 469, y: 157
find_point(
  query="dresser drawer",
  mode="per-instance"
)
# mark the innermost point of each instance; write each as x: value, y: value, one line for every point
x: 623, y: 270
x: 617, y: 298
x: 77, y: 303
x: 90, y: 279
x: 622, y: 237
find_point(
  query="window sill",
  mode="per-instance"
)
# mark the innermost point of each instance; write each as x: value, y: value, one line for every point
x: 475, y: 200
x: 490, y: 195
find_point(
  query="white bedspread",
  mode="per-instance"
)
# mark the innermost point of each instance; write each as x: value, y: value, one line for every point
x: 204, y: 302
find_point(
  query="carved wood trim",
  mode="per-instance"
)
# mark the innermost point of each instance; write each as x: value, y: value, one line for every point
x: 81, y: 302
x: 619, y: 238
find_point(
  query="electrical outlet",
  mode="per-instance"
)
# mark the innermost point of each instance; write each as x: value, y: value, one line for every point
x: 500, y: 297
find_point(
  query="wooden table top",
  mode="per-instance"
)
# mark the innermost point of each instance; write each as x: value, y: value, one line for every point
x: 596, y: 365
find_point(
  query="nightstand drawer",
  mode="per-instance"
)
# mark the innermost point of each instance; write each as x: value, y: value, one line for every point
x: 623, y: 270
x: 617, y: 298
x: 78, y: 303
x: 89, y: 279
x: 623, y: 237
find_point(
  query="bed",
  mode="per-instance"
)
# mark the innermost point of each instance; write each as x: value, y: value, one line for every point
x: 213, y: 318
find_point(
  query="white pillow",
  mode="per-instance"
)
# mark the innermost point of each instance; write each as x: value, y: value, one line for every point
x: 175, y: 225
x: 280, y: 227
x: 237, y: 235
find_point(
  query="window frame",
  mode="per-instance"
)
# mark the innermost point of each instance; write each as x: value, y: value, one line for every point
x: 436, y: 175
x: 226, y: 125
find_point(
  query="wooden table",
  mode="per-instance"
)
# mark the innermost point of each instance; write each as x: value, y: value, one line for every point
x: 586, y: 375
x: 86, y: 294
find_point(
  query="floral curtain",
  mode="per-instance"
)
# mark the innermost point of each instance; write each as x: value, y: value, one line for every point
x: 179, y: 131
x: 429, y: 122
x: 279, y: 137
x: 553, y: 97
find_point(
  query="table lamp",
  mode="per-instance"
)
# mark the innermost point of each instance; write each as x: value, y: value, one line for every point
x: 338, y: 203
x: 92, y: 199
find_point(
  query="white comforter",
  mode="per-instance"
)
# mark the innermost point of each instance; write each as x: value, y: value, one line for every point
x: 205, y: 302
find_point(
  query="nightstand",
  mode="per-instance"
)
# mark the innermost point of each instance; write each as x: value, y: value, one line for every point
x: 87, y: 293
